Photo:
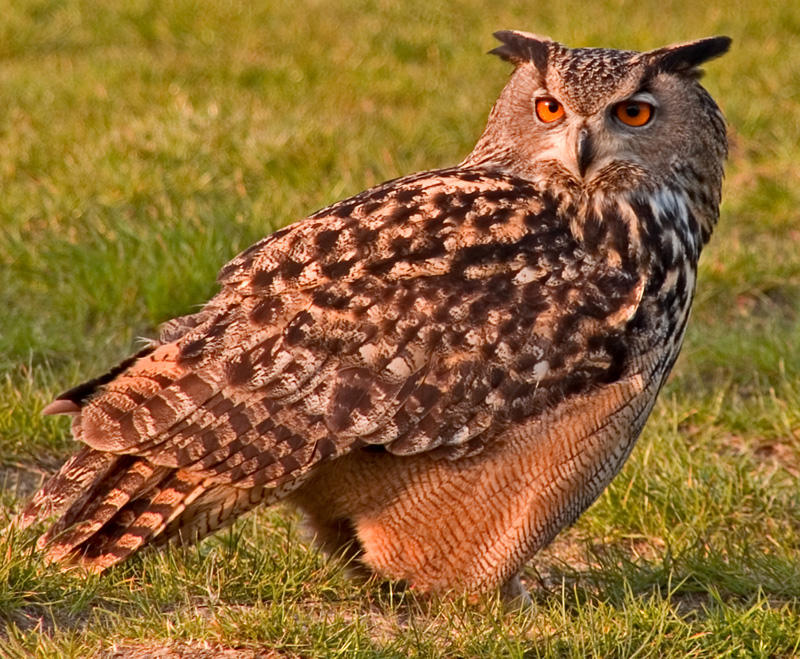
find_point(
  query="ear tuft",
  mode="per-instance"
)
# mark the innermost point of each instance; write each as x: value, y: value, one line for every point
x: 686, y: 57
x: 520, y: 47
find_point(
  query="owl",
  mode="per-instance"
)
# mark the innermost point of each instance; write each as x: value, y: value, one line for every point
x: 442, y: 371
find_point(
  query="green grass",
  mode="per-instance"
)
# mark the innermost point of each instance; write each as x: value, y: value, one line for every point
x: 143, y: 147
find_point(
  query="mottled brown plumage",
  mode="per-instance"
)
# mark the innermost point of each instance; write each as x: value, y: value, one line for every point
x: 444, y: 370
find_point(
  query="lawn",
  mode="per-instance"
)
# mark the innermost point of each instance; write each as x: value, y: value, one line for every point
x: 141, y: 148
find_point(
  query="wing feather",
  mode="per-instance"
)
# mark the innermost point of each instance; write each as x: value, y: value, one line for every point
x: 428, y: 314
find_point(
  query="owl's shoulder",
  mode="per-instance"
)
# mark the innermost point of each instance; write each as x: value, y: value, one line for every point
x: 435, y: 214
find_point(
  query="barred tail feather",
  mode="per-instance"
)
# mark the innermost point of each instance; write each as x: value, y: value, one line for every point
x: 130, y: 503
x: 72, y: 487
x: 139, y: 521
x: 132, y: 479
x: 217, y: 508
x: 179, y: 509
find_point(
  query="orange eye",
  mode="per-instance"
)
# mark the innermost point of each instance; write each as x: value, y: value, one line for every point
x: 549, y: 109
x: 633, y: 113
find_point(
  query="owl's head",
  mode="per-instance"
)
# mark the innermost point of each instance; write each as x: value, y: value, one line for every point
x: 591, y: 115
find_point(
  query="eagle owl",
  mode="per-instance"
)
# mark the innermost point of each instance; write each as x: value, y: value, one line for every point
x: 442, y: 371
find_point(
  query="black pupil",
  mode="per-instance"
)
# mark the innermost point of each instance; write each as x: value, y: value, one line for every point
x: 552, y: 106
x: 633, y: 110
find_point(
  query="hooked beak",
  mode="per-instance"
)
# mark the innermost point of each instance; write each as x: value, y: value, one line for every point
x: 585, y: 151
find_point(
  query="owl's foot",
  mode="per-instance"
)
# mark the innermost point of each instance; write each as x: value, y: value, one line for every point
x: 514, y: 595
